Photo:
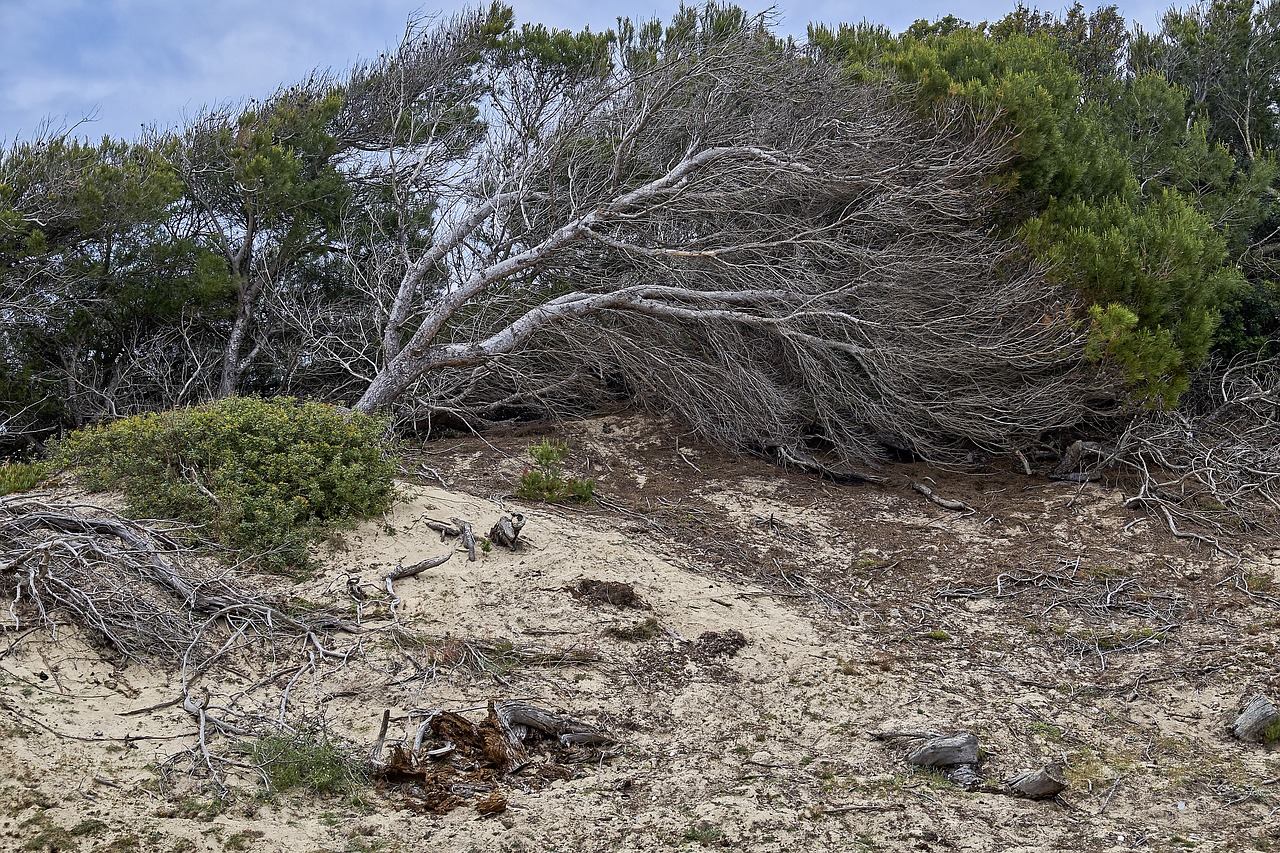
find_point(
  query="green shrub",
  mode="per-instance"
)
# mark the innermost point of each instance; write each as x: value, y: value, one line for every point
x: 546, y: 481
x: 20, y: 476
x: 308, y: 759
x: 264, y: 476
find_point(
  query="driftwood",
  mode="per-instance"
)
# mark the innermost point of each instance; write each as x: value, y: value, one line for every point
x: 519, y: 718
x: 468, y: 538
x: 945, y: 751
x: 1259, y: 722
x: 417, y: 568
x: 1040, y: 784
x: 506, y: 530
x: 444, y: 528
x: 945, y: 503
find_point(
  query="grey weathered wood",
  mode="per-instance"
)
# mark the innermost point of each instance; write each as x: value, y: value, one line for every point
x: 1254, y: 721
x: 506, y: 530
x: 417, y: 568
x: 945, y: 503
x: 1040, y: 784
x: 468, y: 538
x: 518, y: 717
x: 945, y: 751
x: 964, y: 775
x: 445, y: 528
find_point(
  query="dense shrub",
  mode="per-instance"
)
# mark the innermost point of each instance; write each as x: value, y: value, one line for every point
x: 262, y: 476
x: 19, y: 476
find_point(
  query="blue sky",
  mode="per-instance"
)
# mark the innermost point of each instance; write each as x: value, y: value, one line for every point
x: 129, y: 63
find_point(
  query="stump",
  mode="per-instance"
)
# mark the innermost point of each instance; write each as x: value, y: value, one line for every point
x: 945, y: 751
x: 1040, y: 784
x: 1259, y: 722
x: 506, y: 530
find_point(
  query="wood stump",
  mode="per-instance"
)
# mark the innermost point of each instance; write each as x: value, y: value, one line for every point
x: 1259, y: 722
x: 1040, y: 784
x: 506, y: 530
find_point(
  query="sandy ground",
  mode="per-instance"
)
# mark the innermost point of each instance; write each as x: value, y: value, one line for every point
x: 1052, y: 622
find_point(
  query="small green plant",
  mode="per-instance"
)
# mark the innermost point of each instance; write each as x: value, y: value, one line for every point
x: 263, y: 476
x: 1271, y: 734
x: 703, y: 832
x: 546, y: 481
x: 20, y: 476
x: 938, y: 635
x: 195, y: 808
x: 242, y: 840
x: 638, y: 632
x: 308, y: 759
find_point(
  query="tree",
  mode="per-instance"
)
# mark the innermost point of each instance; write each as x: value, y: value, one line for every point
x: 1225, y: 55
x: 95, y: 277
x: 726, y: 225
x: 1112, y: 184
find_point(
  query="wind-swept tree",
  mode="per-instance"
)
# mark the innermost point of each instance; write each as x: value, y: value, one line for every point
x: 723, y: 223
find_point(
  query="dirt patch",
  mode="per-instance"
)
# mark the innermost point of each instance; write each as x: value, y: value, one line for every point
x: 616, y: 593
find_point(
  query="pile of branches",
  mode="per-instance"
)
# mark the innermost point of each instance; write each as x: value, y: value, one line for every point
x: 133, y: 585
x: 1210, y: 469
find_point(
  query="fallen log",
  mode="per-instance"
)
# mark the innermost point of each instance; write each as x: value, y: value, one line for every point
x: 945, y: 751
x: 417, y: 568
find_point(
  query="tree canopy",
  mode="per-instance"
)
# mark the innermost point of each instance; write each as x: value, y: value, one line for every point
x: 962, y: 236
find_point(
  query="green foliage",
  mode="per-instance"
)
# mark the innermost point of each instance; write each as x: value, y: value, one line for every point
x: 1113, y: 184
x: 20, y: 476
x: 308, y: 758
x: 703, y: 832
x: 1155, y: 276
x: 263, y: 476
x: 546, y: 481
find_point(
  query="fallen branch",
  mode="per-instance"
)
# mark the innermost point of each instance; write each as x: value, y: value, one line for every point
x: 945, y: 503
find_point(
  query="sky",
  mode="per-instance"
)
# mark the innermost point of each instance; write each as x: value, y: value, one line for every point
x: 110, y: 67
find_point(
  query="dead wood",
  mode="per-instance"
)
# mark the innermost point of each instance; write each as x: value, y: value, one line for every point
x: 453, y: 759
x: 130, y: 583
x: 1040, y: 784
x: 964, y: 775
x: 445, y: 528
x: 468, y: 538
x: 945, y: 503
x: 791, y: 456
x: 518, y: 719
x: 506, y: 530
x: 417, y: 568
x: 946, y: 751
x: 1259, y: 722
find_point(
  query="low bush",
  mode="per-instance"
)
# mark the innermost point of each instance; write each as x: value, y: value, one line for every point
x: 263, y: 476
x: 20, y: 476
x: 308, y: 759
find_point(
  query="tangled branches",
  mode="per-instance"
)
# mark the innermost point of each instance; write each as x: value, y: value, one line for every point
x: 1210, y: 470
x: 135, y: 587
